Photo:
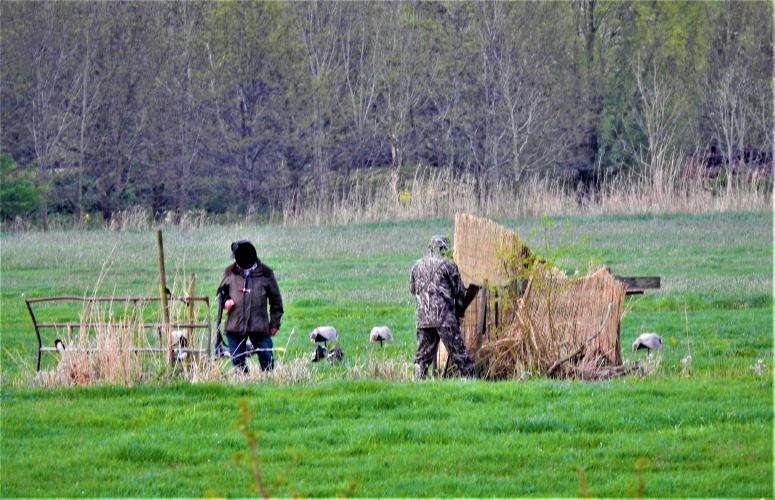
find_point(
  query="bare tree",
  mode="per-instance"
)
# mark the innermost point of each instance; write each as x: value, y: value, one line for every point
x: 659, y: 117
x: 123, y: 115
x: 490, y: 34
x: 246, y: 58
x: 509, y: 102
x: 401, y: 91
x: 730, y: 116
x: 90, y: 92
x: 319, y: 25
x: 739, y: 84
x: 363, y: 66
x: 181, y: 119
x: 44, y: 61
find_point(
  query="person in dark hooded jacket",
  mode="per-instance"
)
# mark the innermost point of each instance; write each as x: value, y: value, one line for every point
x: 248, y: 287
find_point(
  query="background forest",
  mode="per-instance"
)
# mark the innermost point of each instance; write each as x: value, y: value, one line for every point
x: 260, y: 107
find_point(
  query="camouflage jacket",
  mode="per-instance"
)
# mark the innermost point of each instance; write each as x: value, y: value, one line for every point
x: 251, y: 297
x: 439, y: 291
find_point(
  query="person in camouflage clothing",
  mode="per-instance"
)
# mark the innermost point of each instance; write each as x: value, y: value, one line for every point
x: 439, y: 291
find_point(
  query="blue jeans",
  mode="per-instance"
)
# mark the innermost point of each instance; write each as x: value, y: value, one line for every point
x: 237, y: 343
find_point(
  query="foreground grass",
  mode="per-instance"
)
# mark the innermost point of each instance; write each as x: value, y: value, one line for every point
x: 705, y: 431
x: 682, y: 437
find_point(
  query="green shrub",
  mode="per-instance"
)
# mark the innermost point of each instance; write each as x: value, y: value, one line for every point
x: 18, y: 194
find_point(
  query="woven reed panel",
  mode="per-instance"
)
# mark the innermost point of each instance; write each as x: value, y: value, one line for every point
x: 558, y: 315
x: 480, y: 246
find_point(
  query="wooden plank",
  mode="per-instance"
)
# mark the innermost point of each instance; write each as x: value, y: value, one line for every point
x: 78, y: 298
x: 131, y: 349
x: 118, y: 324
x: 640, y: 282
x: 191, y: 290
x: 481, y: 319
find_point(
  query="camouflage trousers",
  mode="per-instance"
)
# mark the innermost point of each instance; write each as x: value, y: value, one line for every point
x: 428, y: 344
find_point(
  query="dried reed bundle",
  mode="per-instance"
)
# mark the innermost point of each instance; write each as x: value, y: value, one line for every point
x: 569, y: 324
x: 501, y: 359
x: 607, y: 372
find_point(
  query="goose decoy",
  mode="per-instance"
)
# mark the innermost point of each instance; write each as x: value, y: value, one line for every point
x: 647, y: 341
x: 324, y: 334
x: 179, y: 341
x: 380, y: 334
x: 60, y: 346
x: 335, y: 354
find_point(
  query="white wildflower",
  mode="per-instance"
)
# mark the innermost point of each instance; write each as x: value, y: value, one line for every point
x: 758, y: 367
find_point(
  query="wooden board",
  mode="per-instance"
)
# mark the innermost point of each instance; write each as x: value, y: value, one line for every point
x: 637, y: 284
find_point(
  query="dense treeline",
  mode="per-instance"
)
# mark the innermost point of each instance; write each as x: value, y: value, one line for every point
x: 235, y: 106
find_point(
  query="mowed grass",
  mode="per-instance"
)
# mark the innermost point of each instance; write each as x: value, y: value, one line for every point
x: 452, y: 438
x: 706, y: 431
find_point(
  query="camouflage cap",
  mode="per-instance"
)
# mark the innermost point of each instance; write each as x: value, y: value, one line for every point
x: 438, y: 244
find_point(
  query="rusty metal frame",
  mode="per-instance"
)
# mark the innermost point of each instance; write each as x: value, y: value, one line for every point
x: 134, y: 300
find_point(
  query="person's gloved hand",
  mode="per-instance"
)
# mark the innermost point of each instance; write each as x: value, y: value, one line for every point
x: 273, y: 331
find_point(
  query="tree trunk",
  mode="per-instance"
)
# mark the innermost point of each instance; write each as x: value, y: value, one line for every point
x: 43, y: 210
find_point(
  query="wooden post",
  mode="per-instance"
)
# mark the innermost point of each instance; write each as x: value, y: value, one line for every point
x: 481, y: 316
x: 165, y: 310
x: 191, y: 291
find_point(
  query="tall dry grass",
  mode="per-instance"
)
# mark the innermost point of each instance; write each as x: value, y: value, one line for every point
x: 108, y: 360
x: 138, y: 218
x: 661, y: 187
x: 111, y: 345
x: 103, y: 349
x: 664, y: 187
x: 99, y: 351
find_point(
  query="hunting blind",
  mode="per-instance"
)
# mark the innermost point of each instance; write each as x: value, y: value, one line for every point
x: 525, y: 313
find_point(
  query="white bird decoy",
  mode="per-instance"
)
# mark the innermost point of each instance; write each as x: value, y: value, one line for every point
x: 380, y: 334
x: 179, y: 340
x: 647, y: 341
x: 324, y: 334
x: 59, y: 345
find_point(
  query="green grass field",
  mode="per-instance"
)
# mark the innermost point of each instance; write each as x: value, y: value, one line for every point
x: 703, y: 433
